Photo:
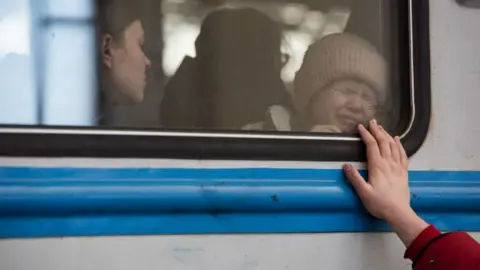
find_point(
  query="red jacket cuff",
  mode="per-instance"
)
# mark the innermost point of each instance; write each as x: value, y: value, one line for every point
x: 421, y: 241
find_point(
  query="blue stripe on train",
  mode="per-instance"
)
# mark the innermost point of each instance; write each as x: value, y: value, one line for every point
x: 38, y: 202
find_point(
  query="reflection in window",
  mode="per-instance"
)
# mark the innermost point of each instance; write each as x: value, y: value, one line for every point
x: 201, y: 64
x: 17, y: 85
x: 46, y: 64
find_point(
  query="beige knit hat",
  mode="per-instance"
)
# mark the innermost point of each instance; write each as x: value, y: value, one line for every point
x: 338, y: 56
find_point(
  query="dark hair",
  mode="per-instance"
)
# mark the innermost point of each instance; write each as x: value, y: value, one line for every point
x: 245, y: 31
x: 239, y: 53
x: 114, y: 16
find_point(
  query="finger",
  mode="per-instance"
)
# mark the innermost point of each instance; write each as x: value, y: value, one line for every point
x: 403, y: 153
x: 373, y: 152
x: 393, y: 147
x: 382, y: 140
x: 395, y: 152
x: 361, y: 187
x: 388, y: 141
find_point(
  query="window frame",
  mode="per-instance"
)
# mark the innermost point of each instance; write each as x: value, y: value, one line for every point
x: 187, y: 144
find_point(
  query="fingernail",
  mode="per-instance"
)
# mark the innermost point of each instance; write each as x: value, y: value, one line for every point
x: 380, y: 127
x: 374, y: 122
x: 347, y: 167
x: 397, y: 138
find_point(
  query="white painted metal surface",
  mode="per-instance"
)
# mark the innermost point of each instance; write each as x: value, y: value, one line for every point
x: 451, y: 145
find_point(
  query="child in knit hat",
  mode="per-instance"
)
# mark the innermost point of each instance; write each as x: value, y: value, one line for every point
x: 340, y: 84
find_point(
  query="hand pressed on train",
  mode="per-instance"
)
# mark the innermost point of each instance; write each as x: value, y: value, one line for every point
x: 386, y: 195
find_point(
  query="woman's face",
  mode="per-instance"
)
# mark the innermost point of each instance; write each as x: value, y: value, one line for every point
x: 128, y: 63
x: 344, y: 104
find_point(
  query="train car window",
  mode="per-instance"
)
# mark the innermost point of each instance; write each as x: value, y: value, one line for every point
x: 256, y: 79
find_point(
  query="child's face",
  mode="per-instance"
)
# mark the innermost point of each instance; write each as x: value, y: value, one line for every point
x: 344, y: 104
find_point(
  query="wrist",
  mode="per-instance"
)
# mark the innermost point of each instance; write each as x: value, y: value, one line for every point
x: 406, y: 224
x: 398, y: 215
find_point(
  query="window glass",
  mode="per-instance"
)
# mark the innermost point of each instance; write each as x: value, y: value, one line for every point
x: 316, y: 66
x: 17, y: 84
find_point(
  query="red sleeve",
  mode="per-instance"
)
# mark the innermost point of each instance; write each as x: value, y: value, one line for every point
x: 432, y: 250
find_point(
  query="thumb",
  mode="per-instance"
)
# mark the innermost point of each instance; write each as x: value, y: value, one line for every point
x: 356, y: 179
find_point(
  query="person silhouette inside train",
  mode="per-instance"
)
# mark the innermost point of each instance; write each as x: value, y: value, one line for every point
x: 123, y: 63
x: 234, y: 77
